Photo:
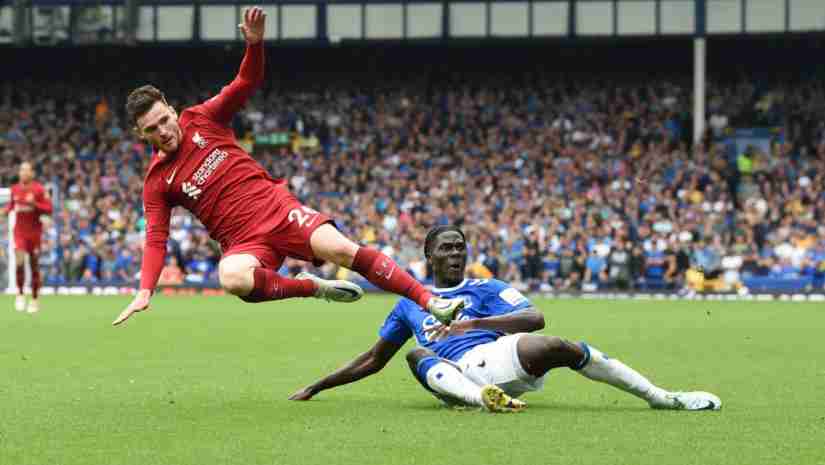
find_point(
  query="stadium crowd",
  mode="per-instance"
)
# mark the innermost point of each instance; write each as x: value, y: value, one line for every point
x: 560, y: 183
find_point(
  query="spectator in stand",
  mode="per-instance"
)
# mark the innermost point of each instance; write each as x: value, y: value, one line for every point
x: 171, y: 275
x: 595, y: 271
x: 620, y: 264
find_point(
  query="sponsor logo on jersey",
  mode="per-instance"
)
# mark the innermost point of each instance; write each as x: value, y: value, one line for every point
x: 209, y: 166
x: 429, y: 327
x: 199, y: 141
x: 191, y: 190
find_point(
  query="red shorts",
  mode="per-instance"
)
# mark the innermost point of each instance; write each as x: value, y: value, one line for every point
x: 27, y: 243
x: 295, y: 224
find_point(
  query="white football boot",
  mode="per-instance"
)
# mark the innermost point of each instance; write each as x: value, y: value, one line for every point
x: 335, y: 290
x: 444, y: 310
x: 34, y: 306
x: 20, y: 303
x: 695, y: 400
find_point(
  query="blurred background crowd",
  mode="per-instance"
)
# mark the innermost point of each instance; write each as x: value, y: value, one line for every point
x: 560, y: 181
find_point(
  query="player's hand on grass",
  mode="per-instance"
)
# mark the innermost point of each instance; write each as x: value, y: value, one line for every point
x: 139, y: 304
x: 303, y: 394
x: 253, y: 26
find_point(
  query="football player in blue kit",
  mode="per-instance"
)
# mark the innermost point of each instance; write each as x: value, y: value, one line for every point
x: 487, y: 355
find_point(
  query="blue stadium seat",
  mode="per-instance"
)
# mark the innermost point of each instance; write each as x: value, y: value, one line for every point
x: 761, y: 284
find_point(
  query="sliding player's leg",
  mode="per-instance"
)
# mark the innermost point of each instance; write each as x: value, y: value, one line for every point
x: 539, y: 354
x: 20, y: 275
x: 447, y: 383
x: 329, y: 244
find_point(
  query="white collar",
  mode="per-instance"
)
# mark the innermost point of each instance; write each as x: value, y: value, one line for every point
x: 448, y: 289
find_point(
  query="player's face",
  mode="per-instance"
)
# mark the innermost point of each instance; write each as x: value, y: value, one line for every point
x: 159, y: 127
x: 26, y: 172
x: 448, y: 259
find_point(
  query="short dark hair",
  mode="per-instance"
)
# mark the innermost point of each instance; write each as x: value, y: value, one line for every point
x: 141, y: 100
x: 433, y: 234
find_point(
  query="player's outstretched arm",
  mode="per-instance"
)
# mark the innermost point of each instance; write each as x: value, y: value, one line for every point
x: 520, y: 321
x: 138, y: 304
x: 223, y: 106
x: 157, y: 213
x: 366, y: 364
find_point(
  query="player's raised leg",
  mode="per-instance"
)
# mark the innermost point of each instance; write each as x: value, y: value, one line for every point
x: 244, y: 276
x: 539, y: 354
x: 447, y: 383
x: 20, y: 279
x: 329, y: 244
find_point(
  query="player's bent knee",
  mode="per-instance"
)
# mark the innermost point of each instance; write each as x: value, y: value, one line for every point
x: 416, y: 355
x: 553, y: 343
x: 342, y: 252
x: 557, y: 345
x: 234, y: 283
x: 330, y: 245
x: 547, y: 345
x: 236, y: 276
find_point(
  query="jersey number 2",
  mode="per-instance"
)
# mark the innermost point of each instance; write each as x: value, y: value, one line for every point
x: 304, y: 216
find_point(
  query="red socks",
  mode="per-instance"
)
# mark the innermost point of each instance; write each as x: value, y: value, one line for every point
x: 384, y: 273
x: 21, y: 277
x: 269, y: 285
x: 378, y: 268
x: 33, y: 261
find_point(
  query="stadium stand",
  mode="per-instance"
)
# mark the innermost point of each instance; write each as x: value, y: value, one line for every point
x: 561, y: 181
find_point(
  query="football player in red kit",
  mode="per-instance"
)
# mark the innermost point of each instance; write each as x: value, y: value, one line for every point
x: 29, y: 200
x: 198, y: 165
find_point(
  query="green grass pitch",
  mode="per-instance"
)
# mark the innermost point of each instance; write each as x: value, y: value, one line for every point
x: 205, y: 381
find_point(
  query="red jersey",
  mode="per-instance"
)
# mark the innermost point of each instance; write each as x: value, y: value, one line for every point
x: 210, y: 175
x: 29, y: 201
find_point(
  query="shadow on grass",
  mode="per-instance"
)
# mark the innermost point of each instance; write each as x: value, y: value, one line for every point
x: 601, y: 408
x: 331, y: 406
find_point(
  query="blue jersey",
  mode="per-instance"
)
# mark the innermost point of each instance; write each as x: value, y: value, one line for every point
x: 482, y: 298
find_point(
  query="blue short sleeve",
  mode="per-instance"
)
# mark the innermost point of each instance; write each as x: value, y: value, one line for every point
x: 500, y: 298
x: 394, y: 328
